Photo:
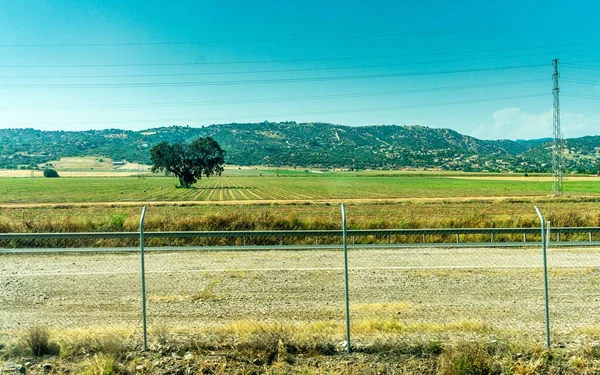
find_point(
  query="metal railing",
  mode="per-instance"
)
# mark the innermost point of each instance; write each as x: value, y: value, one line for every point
x: 293, y: 239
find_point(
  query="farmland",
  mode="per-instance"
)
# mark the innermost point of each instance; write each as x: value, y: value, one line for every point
x: 285, y: 188
x: 275, y: 309
x: 259, y: 199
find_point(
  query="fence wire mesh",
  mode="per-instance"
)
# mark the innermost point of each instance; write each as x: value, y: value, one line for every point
x: 238, y: 288
x: 65, y: 290
x: 409, y: 282
x: 437, y: 292
x: 574, y: 288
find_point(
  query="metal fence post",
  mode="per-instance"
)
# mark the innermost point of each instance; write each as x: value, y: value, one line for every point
x: 143, y: 277
x: 345, y: 238
x: 545, y: 236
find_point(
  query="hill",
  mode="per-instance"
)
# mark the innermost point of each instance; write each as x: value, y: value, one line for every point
x: 317, y: 145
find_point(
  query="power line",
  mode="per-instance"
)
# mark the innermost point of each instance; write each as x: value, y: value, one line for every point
x: 292, y: 70
x: 581, y: 81
x: 279, y: 99
x: 577, y: 63
x: 583, y: 96
x: 587, y: 67
x: 257, y: 81
x: 371, y: 36
x: 302, y: 60
x: 262, y: 116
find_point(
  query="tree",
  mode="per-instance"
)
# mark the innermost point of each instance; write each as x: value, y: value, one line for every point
x: 50, y: 173
x: 189, y: 162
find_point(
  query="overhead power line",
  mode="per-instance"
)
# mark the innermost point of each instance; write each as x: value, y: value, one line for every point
x: 578, y: 63
x: 257, y: 81
x: 291, y: 70
x: 263, y: 116
x: 278, y: 99
x: 364, y: 57
x: 586, y: 67
x: 339, y: 37
x: 581, y: 81
x: 583, y: 96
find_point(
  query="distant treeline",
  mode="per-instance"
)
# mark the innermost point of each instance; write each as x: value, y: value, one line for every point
x: 316, y: 145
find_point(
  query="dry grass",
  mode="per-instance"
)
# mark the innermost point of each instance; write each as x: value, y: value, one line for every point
x: 376, y: 326
x: 206, y: 294
x: 572, y: 272
x: 37, y: 340
x: 270, y: 216
x: 467, y: 359
x: 246, y: 347
x: 386, y: 308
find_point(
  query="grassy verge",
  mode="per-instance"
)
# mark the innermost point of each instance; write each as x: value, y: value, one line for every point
x: 439, y: 214
x: 252, y: 348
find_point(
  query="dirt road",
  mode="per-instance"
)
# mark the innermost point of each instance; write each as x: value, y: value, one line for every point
x: 282, y: 201
x: 490, y: 288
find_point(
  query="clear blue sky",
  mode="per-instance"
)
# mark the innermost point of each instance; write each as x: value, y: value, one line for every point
x: 74, y: 65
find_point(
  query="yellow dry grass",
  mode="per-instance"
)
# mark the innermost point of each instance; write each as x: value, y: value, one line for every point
x: 390, y: 307
x: 532, y: 178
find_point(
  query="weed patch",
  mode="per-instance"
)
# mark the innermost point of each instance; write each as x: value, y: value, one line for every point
x: 37, y: 340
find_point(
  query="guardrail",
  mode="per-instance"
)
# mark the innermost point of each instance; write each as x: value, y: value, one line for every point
x: 293, y: 239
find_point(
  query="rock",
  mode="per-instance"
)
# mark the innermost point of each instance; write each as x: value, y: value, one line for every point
x: 10, y: 368
x: 139, y: 368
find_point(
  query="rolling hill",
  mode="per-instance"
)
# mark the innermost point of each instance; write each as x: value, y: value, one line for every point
x: 317, y: 145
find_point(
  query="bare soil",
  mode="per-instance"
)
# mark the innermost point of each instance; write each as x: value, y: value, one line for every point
x: 427, y: 289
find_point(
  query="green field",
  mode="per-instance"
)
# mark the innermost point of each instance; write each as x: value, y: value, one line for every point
x: 258, y: 199
x: 287, y: 187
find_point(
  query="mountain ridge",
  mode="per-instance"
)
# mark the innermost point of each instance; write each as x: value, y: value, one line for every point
x: 320, y: 145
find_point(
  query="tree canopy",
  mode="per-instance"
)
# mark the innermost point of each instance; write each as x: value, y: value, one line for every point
x: 189, y: 162
x: 50, y: 173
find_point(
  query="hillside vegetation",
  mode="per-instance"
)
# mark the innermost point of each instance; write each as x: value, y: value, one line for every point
x: 316, y: 145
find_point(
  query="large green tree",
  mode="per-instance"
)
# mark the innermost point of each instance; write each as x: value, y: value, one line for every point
x: 189, y: 162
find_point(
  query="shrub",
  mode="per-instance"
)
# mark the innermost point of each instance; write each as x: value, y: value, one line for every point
x: 467, y: 359
x: 50, y: 173
x: 37, y: 340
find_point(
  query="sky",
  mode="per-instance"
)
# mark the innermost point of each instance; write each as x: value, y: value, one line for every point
x: 482, y: 68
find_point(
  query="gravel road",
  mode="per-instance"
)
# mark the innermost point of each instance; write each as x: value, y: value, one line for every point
x: 501, y: 288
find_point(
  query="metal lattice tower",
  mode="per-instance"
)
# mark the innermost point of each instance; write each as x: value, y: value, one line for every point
x: 557, y: 149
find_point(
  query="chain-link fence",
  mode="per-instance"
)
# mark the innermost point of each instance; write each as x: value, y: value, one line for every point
x: 474, y: 282
x: 69, y: 290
